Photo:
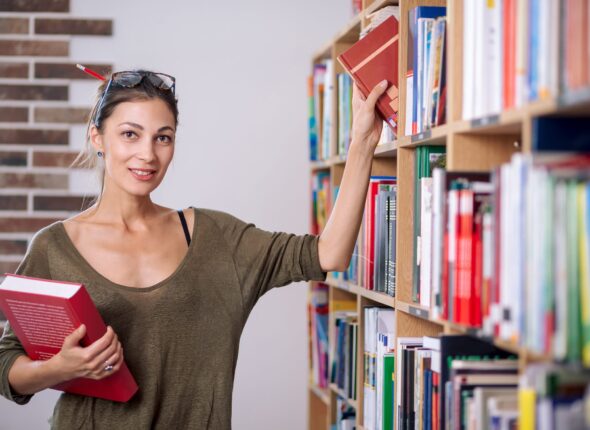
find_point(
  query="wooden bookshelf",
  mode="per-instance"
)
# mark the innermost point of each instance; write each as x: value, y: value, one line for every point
x: 481, y: 144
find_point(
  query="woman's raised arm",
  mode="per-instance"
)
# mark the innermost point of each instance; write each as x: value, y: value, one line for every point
x: 337, y: 240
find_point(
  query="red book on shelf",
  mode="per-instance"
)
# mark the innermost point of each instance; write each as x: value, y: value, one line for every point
x: 42, y: 312
x: 373, y: 59
x: 369, y: 244
x: 463, y: 262
x: 477, y: 272
x: 509, y: 40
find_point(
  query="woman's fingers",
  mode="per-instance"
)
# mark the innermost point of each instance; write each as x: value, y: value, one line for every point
x: 100, y: 361
x: 99, y: 345
x: 376, y: 93
x: 74, y: 338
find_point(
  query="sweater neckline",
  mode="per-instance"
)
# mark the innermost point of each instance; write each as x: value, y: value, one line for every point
x: 110, y: 283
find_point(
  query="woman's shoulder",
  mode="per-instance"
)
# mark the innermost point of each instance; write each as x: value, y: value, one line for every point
x: 42, y: 237
x: 224, y: 220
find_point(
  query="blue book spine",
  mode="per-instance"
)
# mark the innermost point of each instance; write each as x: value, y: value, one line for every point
x: 415, y: 14
x: 533, y: 72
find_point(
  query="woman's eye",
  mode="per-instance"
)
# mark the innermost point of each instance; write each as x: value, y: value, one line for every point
x: 164, y: 139
x: 128, y: 134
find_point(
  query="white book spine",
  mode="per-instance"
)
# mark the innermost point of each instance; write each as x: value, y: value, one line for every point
x: 468, y: 59
x: 426, y: 245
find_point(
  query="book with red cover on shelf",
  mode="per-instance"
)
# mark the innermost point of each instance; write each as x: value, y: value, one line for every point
x: 43, y: 312
x: 373, y: 59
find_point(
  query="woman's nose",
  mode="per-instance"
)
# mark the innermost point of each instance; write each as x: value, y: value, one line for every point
x: 146, y: 151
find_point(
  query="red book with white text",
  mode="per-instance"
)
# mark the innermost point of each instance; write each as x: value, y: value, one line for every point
x: 373, y: 59
x: 42, y: 312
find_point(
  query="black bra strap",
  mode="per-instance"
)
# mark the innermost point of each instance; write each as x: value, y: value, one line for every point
x: 184, y: 226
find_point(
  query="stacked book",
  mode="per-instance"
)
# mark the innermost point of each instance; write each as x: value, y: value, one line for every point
x: 345, y: 335
x: 345, y: 415
x: 379, y: 367
x: 318, y: 313
x: 376, y: 242
x: 345, y: 84
x: 320, y: 90
x: 426, y: 80
x: 315, y: 95
x: 426, y: 159
x: 443, y: 382
x: 553, y: 396
x: 321, y: 201
x: 522, y: 52
x: 510, y: 250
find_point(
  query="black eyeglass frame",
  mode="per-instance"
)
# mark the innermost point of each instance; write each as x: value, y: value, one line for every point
x: 117, y: 79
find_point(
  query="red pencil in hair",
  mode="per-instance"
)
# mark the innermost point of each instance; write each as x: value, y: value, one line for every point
x: 91, y: 72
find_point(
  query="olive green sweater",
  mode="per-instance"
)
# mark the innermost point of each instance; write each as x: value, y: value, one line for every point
x: 180, y: 336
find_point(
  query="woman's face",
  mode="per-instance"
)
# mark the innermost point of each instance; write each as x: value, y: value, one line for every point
x: 138, y: 145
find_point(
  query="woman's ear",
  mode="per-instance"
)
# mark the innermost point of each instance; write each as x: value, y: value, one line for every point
x: 96, y: 138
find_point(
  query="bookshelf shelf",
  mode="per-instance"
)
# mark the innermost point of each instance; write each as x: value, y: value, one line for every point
x: 378, y: 4
x: 387, y: 149
x: 320, y: 393
x: 337, y: 391
x: 434, y: 136
x: 374, y: 296
x: 350, y: 33
x: 319, y: 165
x: 485, y: 145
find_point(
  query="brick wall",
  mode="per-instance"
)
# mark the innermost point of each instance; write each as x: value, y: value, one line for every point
x: 37, y: 120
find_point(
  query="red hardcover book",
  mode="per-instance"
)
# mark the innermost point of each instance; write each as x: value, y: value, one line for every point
x: 497, y: 270
x: 477, y: 272
x: 463, y: 262
x: 373, y: 59
x: 369, y: 245
x: 435, y: 400
x: 509, y: 40
x: 42, y: 312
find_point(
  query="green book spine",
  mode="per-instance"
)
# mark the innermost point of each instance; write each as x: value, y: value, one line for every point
x: 584, y: 235
x: 426, y: 158
x: 573, y: 322
x: 388, y: 368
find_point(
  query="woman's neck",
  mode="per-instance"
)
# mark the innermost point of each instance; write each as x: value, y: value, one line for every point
x: 123, y: 210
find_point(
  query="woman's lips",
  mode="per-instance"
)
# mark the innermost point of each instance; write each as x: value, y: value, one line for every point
x: 142, y: 174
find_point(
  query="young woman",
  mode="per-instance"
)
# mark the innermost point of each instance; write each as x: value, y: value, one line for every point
x: 175, y: 287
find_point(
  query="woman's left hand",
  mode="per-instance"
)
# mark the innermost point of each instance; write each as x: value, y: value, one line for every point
x: 366, y: 123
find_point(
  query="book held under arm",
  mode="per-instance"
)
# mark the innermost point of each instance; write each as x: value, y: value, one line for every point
x: 43, y: 312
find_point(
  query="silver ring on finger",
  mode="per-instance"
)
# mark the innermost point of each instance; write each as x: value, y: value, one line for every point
x: 108, y: 367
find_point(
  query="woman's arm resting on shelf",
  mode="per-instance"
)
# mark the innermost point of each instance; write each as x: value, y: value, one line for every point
x: 337, y: 240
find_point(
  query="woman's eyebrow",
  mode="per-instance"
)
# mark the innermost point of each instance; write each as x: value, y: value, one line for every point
x: 132, y: 124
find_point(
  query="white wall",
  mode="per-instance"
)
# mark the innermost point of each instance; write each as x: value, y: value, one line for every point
x: 241, y: 69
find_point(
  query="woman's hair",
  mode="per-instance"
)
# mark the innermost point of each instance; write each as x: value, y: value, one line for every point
x: 117, y: 94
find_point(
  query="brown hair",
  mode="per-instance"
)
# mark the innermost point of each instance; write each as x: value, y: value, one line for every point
x: 117, y: 94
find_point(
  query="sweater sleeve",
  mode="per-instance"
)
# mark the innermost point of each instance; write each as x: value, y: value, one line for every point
x: 33, y: 264
x: 265, y: 259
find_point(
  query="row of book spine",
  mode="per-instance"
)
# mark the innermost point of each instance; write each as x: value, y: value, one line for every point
x: 345, y: 415
x: 344, y: 335
x: 522, y: 51
x: 378, y: 365
x: 436, y: 377
x: 318, y: 317
x: 460, y: 383
x: 509, y: 252
x: 373, y: 264
x: 321, y: 194
x: 426, y: 80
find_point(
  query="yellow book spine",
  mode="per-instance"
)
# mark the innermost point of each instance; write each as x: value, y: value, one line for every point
x: 584, y: 275
x: 526, y: 405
